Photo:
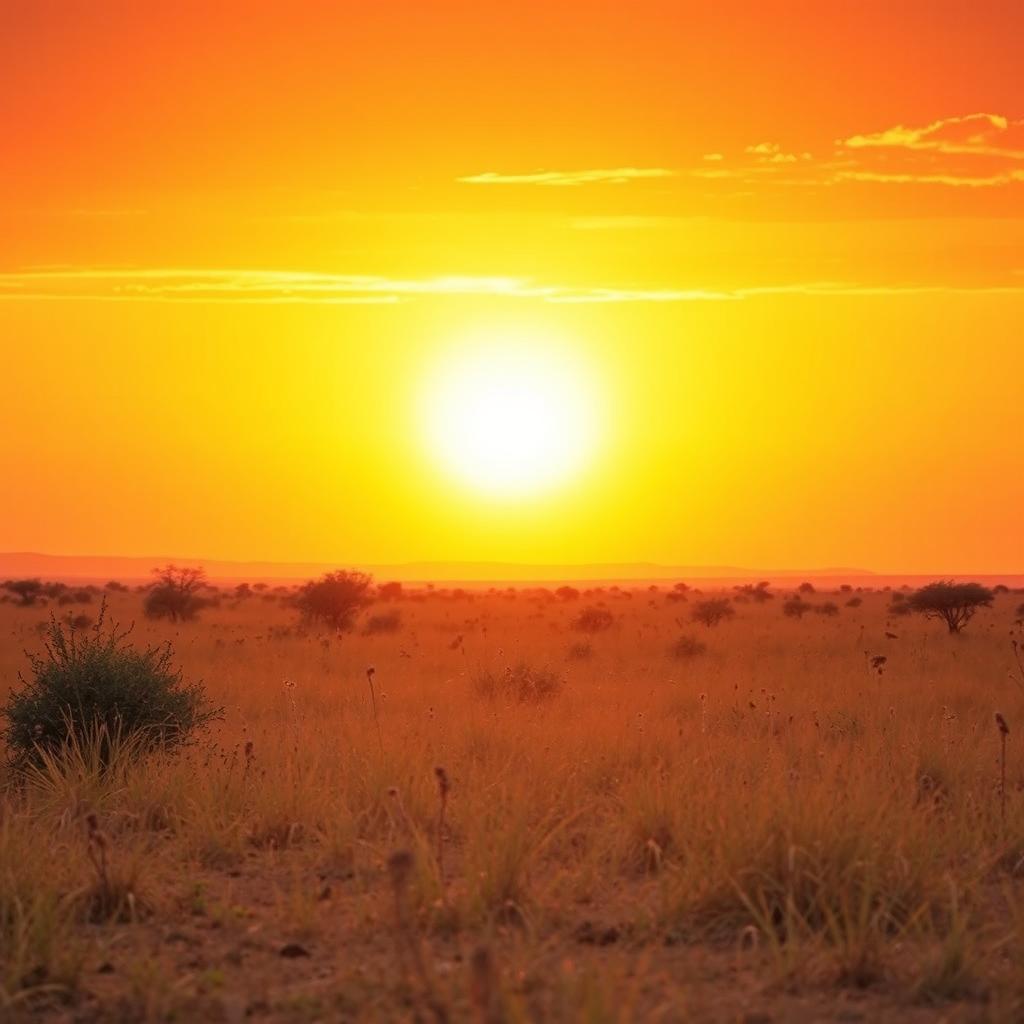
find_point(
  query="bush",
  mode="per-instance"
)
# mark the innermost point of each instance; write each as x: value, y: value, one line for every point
x: 28, y: 592
x: 580, y: 652
x: 712, y: 612
x: 854, y: 602
x: 87, y: 684
x: 593, y: 620
x: 385, y: 622
x: 175, y: 595
x: 335, y: 599
x: 567, y: 593
x: 520, y: 682
x: 688, y: 647
x: 827, y: 608
x: 759, y: 593
x: 796, y: 607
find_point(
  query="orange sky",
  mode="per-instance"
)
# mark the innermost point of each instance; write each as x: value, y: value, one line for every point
x: 784, y: 239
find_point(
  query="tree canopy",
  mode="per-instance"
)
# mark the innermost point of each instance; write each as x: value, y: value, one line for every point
x: 953, y: 603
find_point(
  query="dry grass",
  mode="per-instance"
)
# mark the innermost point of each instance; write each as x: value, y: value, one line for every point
x: 775, y: 827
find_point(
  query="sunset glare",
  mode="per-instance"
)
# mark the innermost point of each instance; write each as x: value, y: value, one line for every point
x: 511, y: 419
x: 724, y: 252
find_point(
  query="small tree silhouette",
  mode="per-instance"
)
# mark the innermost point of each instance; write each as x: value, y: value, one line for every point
x: 954, y: 603
x: 713, y: 611
x: 175, y: 595
x: 796, y: 607
x: 335, y: 599
x: 26, y: 591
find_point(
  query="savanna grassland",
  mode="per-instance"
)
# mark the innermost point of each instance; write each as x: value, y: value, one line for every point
x: 522, y: 821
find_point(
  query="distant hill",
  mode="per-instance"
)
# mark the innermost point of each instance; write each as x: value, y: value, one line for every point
x: 105, y: 567
x: 100, y: 568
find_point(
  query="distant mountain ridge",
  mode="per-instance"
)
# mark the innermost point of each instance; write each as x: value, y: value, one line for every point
x: 130, y: 567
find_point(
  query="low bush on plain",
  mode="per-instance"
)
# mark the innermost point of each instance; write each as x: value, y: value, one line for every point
x: 96, y: 680
x: 688, y: 647
x: 593, y: 620
x: 796, y: 607
x: 384, y: 622
x: 713, y: 611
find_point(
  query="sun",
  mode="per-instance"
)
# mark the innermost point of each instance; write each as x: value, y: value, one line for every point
x: 511, y: 417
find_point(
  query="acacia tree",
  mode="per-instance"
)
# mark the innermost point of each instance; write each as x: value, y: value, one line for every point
x: 335, y: 599
x: 176, y: 593
x: 954, y: 603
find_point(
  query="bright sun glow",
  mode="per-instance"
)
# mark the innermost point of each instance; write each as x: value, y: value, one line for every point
x: 511, y: 419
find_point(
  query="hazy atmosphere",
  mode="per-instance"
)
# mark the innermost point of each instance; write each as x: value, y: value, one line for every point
x: 512, y: 512
x: 768, y: 263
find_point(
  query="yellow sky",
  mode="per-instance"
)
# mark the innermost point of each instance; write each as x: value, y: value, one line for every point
x: 783, y: 241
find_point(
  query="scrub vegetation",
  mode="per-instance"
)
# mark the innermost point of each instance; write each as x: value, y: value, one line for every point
x: 412, y: 803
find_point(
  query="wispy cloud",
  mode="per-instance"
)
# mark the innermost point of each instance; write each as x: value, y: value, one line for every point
x: 182, y: 285
x: 975, y: 151
x: 243, y: 285
x: 971, y: 135
x: 925, y: 178
x: 772, y: 153
x: 600, y: 176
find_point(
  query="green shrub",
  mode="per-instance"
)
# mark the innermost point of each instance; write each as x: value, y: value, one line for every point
x: 97, y: 680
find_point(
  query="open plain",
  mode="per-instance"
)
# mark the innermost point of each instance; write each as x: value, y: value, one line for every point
x: 512, y: 818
